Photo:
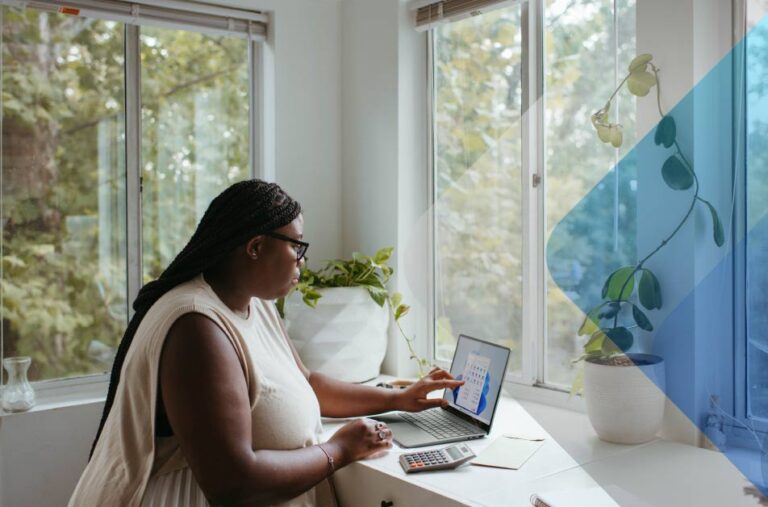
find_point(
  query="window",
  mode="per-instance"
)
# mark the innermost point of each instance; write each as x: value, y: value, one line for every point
x: 756, y: 275
x: 194, y: 137
x: 587, y: 45
x: 485, y: 212
x: 70, y: 265
x: 478, y: 181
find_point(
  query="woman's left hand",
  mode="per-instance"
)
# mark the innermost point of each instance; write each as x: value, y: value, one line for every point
x: 414, y: 397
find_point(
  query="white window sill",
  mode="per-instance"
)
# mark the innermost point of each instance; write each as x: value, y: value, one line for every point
x: 55, y: 395
x: 544, y: 395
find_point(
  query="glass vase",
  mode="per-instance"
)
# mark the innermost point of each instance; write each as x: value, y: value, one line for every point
x: 18, y: 395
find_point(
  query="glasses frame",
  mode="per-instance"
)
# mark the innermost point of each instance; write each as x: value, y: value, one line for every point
x: 300, y: 253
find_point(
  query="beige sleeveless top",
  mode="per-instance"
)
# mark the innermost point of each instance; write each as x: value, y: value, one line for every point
x: 129, y: 460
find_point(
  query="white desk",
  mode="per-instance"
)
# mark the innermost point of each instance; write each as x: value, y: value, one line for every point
x: 658, y: 473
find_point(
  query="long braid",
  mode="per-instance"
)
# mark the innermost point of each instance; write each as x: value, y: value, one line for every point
x: 243, y: 210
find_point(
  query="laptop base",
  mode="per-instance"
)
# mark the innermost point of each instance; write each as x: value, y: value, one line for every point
x: 408, y: 435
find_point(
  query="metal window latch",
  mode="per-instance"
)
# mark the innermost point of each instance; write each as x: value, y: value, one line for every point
x: 536, y: 180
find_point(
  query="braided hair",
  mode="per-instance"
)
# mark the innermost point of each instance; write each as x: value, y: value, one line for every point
x: 243, y: 210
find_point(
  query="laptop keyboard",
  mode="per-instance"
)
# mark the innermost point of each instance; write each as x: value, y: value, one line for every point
x: 438, y: 423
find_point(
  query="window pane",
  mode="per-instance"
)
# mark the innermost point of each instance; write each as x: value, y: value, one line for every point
x: 757, y: 218
x: 580, y: 51
x: 478, y: 284
x: 195, y: 136
x: 63, y: 190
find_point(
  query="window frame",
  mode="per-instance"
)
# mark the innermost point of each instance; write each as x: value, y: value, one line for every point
x: 531, y: 384
x: 88, y: 386
x: 739, y: 435
x: 533, y: 192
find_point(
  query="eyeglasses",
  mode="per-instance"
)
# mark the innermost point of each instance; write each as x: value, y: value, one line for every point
x: 302, y: 246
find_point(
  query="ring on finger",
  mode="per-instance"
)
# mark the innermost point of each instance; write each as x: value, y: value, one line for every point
x: 382, y: 435
x: 380, y: 426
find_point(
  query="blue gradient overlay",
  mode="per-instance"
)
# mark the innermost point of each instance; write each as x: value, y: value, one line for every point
x: 712, y: 330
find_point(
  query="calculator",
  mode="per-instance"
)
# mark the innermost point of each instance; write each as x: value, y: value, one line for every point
x: 438, y: 459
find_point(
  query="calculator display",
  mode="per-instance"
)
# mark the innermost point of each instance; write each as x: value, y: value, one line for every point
x: 453, y: 453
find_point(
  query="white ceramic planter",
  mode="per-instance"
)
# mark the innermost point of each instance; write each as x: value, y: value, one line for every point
x: 345, y: 336
x: 624, y: 404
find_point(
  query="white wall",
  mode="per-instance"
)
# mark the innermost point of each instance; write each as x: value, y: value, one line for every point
x: 687, y: 38
x: 384, y: 154
x: 43, y: 453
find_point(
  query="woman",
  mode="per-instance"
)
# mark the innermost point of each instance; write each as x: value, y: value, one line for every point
x: 208, y: 400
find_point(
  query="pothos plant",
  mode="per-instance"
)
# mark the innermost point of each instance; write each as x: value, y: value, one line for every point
x: 609, y: 335
x: 372, y: 273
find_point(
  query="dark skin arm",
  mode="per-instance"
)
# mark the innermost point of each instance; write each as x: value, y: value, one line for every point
x: 342, y: 399
x: 205, y: 397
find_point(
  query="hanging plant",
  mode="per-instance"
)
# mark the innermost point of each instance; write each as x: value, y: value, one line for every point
x: 631, y: 291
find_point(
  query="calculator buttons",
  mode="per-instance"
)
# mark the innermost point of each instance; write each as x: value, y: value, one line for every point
x: 435, y: 460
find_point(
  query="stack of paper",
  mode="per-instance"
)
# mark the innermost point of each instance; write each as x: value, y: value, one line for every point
x: 509, y: 451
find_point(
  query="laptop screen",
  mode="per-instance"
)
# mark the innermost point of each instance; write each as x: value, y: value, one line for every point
x: 482, y: 366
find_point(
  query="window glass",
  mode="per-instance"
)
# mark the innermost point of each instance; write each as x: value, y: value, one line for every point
x: 757, y: 216
x: 63, y: 191
x: 478, y: 222
x: 195, y: 136
x: 585, y: 56
x: 64, y: 234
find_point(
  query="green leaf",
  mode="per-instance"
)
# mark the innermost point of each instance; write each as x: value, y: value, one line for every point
x: 640, y: 62
x: 340, y: 265
x: 396, y: 299
x: 591, y: 320
x: 616, y: 281
x: 595, y: 343
x: 649, y: 290
x: 401, y: 311
x: 311, y: 297
x: 641, y: 319
x: 13, y: 261
x: 717, y: 225
x: 616, y: 136
x: 666, y: 132
x: 604, y: 133
x: 640, y: 82
x: 604, y: 291
x: 619, y: 338
x: 378, y: 295
x: 383, y: 255
x: 676, y: 175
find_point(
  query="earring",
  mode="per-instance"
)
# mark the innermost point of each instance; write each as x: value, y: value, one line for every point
x: 254, y: 255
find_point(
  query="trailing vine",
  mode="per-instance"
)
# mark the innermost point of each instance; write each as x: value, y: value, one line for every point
x: 607, y: 338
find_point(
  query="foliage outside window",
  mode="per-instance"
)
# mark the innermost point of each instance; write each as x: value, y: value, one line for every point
x: 478, y: 70
x: 64, y: 239
x: 585, y: 55
x: 478, y: 206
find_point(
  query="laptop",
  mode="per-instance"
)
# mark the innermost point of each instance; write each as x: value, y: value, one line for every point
x: 471, y: 407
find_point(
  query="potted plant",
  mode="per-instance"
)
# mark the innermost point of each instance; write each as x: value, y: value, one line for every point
x: 338, y: 316
x: 622, y: 404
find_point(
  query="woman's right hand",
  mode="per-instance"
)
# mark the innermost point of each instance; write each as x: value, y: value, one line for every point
x: 362, y: 438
